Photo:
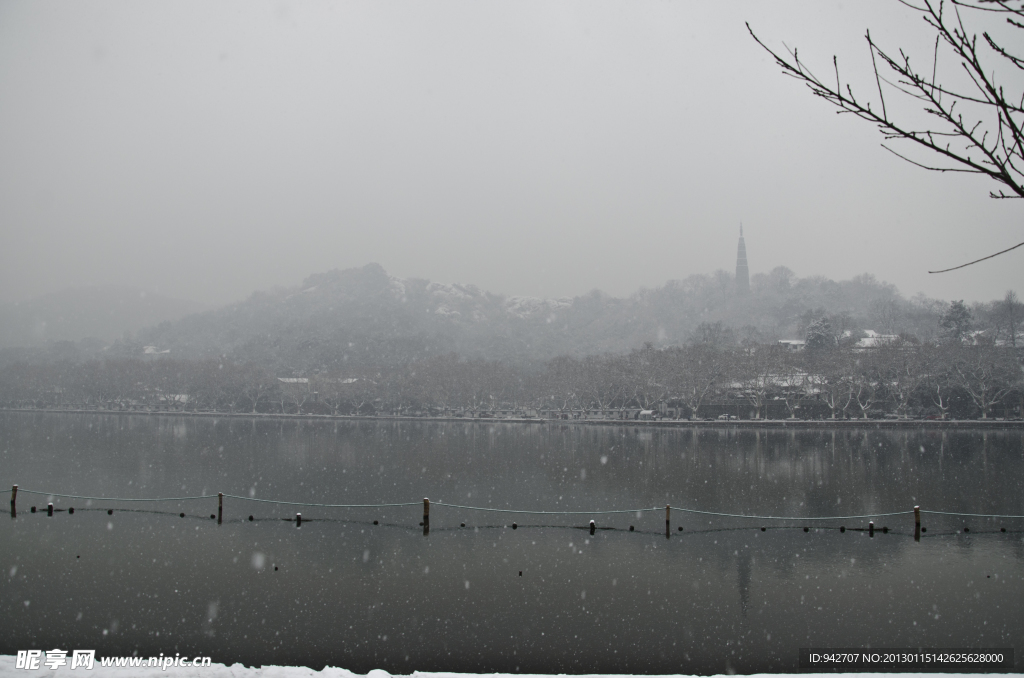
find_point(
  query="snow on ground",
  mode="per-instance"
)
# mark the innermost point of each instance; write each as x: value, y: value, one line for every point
x: 7, y: 670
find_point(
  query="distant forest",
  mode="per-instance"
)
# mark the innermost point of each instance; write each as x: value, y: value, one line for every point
x: 362, y: 342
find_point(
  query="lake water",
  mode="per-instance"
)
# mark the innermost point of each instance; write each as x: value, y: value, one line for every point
x: 721, y: 595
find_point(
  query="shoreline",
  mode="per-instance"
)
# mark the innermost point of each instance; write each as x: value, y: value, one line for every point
x: 985, y: 424
x: 237, y: 670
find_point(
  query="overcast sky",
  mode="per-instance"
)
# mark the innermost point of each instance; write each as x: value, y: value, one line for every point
x: 208, y: 149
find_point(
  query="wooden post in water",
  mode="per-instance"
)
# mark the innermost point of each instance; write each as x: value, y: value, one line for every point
x: 593, y: 526
x: 871, y: 528
x: 220, y: 507
x: 49, y: 509
x: 14, y: 501
x: 917, y: 523
x: 668, y: 521
x: 298, y: 520
x: 426, y: 516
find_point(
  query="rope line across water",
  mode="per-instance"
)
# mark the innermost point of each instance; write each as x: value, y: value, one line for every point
x: 520, y: 511
x: 549, y: 513
x: 299, y: 503
x: 970, y: 515
x: 77, y: 496
x: 738, y: 515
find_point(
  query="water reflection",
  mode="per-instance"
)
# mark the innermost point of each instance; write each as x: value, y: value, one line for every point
x: 720, y: 595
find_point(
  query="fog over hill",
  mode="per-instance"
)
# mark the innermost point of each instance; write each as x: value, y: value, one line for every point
x: 364, y: 316
x: 100, y: 313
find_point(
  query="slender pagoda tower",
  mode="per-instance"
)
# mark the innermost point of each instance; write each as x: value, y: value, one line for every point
x: 742, y: 272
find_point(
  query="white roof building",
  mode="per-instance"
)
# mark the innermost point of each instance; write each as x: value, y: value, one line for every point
x: 874, y: 339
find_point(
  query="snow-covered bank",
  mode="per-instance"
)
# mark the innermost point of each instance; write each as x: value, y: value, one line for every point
x: 7, y: 669
x: 238, y: 671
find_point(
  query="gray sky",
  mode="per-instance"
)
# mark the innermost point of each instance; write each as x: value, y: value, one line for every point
x: 207, y: 149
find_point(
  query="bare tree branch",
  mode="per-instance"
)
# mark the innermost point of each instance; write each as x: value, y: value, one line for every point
x: 978, y: 131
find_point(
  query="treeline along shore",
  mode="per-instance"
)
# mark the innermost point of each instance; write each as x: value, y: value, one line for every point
x: 894, y: 379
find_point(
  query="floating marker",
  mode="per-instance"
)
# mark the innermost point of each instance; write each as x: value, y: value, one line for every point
x: 71, y: 511
x: 110, y: 512
x: 763, y: 528
x: 842, y: 528
x: 375, y: 522
x: 806, y: 529
x: 250, y: 519
x: 515, y: 526
x: 462, y: 524
x: 181, y: 515
x: 33, y: 509
x: 630, y: 528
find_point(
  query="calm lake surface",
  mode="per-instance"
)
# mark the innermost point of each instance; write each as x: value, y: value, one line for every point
x: 721, y: 595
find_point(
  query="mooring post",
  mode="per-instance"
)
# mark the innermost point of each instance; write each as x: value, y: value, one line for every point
x: 871, y: 528
x: 668, y: 521
x: 917, y: 523
x: 593, y: 527
x: 298, y: 520
x: 426, y: 516
x: 49, y: 509
x: 14, y: 501
x: 220, y: 507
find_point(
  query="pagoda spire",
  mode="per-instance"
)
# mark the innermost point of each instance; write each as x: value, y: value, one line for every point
x: 742, y: 271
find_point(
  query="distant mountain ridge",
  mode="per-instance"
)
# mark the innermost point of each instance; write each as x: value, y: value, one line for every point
x: 362, y: 317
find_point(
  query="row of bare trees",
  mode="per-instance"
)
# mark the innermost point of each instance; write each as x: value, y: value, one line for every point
x: 897, y: 378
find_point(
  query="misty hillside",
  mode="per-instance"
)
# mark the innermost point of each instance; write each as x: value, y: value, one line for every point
x: 100, y: 313
x: 364, y: 316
